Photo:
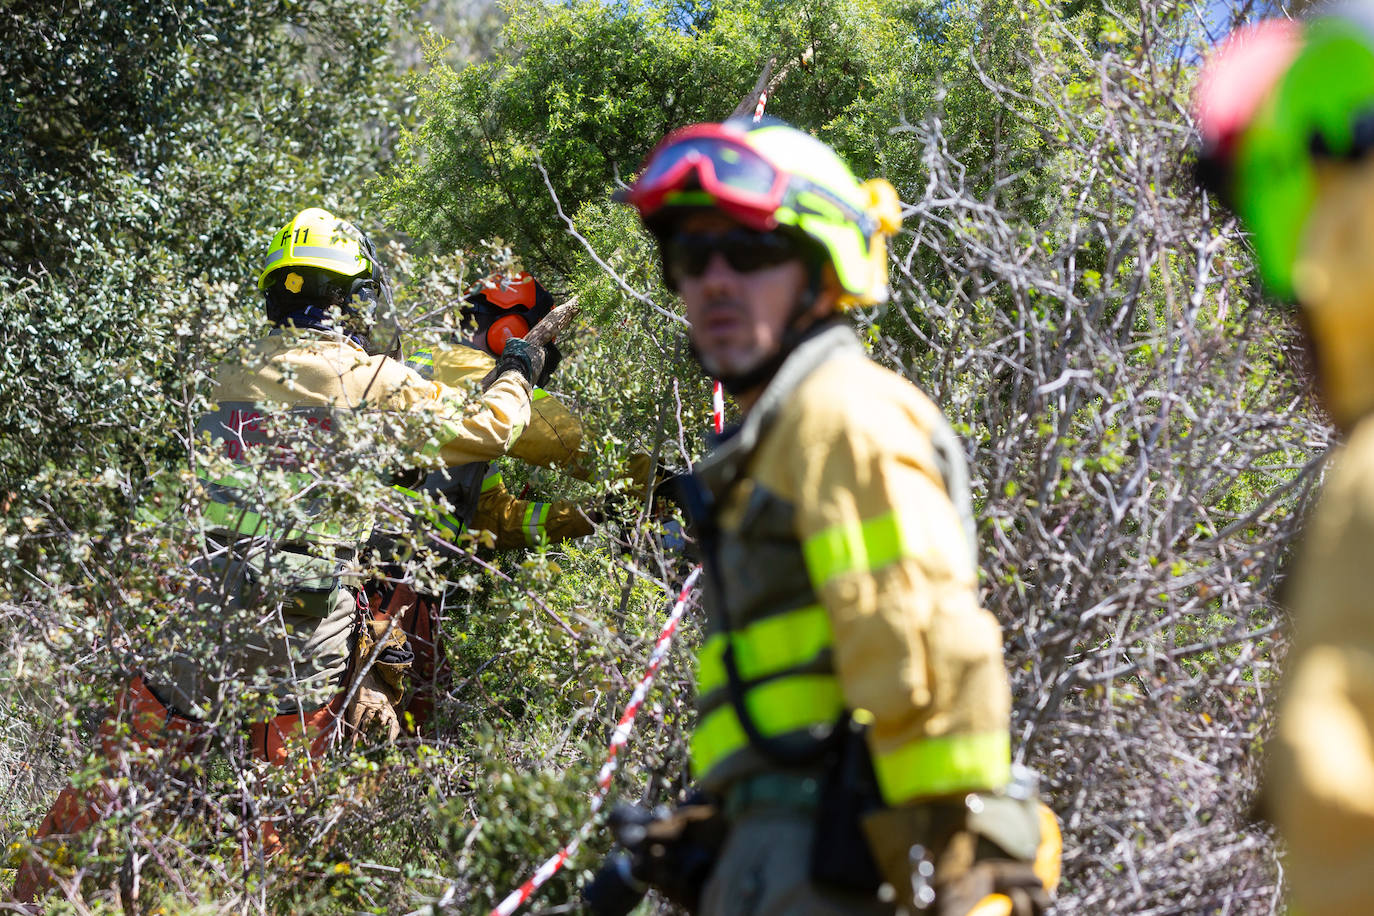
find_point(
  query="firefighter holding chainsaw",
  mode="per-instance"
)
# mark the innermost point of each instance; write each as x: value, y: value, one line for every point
x: 498, y: 310
x: 852, y: 749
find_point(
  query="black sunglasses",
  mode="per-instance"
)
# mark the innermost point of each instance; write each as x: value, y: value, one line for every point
x: 687, y: 253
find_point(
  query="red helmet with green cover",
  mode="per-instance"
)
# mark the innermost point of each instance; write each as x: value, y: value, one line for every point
x: 1276, y: 99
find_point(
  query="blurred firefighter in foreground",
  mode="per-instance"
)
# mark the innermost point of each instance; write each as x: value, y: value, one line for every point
x: 852, y: 752
x: 315, y: 646
x: 1286, y: 113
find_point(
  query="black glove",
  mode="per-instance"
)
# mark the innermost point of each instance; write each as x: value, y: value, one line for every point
x: 552, y: 357
x: 672, y: 850
x: 520, y: 356
x: 614, y: 890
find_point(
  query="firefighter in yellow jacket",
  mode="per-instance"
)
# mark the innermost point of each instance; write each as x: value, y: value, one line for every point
x: 853, y: 705
x: 499, y: 309
x: 1286, y: 113
x: 299, y: 389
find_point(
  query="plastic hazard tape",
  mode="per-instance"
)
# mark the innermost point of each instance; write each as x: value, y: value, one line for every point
x: 619, y: 738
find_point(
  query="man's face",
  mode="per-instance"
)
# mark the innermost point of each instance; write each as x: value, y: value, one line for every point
x: 737, y: 318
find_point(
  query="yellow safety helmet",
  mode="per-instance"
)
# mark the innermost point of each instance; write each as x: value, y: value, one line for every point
x: 316, y: 238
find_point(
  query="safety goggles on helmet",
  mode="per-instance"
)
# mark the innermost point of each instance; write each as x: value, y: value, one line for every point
x: 712, y: 160
x: 769, y: 175
x: 709, y: 164
x: 687, y: 254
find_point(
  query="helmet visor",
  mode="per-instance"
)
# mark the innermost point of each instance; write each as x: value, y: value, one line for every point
x: 706, y: 157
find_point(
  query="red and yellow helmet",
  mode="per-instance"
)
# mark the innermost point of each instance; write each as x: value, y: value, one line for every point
x: 769, y: 175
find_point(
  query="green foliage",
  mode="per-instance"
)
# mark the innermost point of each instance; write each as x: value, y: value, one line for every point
x: 140, y: 178
x: 586, y: 89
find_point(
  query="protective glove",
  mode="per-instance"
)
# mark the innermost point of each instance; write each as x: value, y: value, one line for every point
x: 371, y: 711
x: 614, y: 890
x: 520, y: 356
x: 997, y: 857
x: 672, y: 850
x: 993, y: 887
x: 552, y: 357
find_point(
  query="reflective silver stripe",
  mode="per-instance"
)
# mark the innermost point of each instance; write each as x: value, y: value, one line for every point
x: 422, y: 361
x: 324, y: 254
x: 535, y: 530
x: 274, y: 256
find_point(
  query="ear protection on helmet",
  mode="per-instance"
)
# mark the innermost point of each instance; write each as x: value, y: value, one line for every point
x: 500, y: 308
x: 503, y: 329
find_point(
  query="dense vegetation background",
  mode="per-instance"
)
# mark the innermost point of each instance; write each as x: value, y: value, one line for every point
x: 1134, y: 415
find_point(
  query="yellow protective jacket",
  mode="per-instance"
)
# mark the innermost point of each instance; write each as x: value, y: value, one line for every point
x: 292, y: 391
x: 553, y: 437
x: 841, y: 576
x: 1320, y: 780
x: 316, y: 373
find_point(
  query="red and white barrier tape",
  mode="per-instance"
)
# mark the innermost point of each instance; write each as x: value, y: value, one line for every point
x: 717, y: 392
x: 619, y: 738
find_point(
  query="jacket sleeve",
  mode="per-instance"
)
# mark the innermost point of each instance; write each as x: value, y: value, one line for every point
x: 1320, y: 779
x: 553, y: 438
x: 916, y: 655
x: 472, y: 428
x: 518, y: 523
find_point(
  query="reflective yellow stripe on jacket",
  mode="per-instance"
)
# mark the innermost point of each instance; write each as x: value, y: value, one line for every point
x: 228, y: 512
x: 861, y: 547
x: 771, y: 655
x: 766, y: 647
x: 930, y: 766
x: 945, y: 765
x: 536, y: 517
x: 449, y: 526
x: 779, y: 707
